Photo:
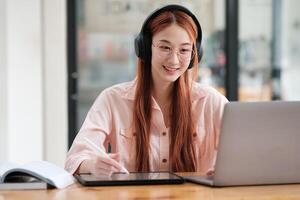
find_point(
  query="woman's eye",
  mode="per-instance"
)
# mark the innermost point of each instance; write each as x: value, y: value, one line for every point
x: 165, y: 48
x: 185, y: 51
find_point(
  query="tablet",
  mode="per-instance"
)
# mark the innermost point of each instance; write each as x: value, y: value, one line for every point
x: 135, y: 178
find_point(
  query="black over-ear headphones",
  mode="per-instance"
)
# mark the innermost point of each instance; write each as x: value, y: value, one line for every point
x: 143, y: 41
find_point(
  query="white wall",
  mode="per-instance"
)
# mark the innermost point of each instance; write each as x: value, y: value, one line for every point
x: 24, y: 80
x: 3, y: 85
x: 33, y: 81
x: 55, y: 81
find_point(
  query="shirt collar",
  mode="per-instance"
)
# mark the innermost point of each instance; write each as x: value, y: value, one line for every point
x: 130, y: 94
x: 129, y: 91
x: 197, y: 93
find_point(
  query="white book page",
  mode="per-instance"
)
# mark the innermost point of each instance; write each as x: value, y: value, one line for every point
x: 57, y: 175
x: 5, y: 166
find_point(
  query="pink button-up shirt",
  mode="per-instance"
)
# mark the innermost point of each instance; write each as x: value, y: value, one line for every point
x: 110, y: 121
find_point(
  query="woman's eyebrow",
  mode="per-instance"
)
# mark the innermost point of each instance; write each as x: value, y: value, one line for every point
x: 166, y: 41
x: 182, y: 44
x: 187, y: 43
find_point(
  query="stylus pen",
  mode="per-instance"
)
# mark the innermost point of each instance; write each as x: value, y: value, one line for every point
x: 104, y: 154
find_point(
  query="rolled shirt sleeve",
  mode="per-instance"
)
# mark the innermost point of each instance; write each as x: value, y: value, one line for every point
x: 96, y: 128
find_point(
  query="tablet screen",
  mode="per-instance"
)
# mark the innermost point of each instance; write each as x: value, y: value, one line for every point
x: 132, y: 178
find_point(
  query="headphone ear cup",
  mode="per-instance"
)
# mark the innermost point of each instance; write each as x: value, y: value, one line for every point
x: 138, y: 46
x: 200, y: 53
x: 142, y: 46
x: 191, y: 63
x: 199, y: 49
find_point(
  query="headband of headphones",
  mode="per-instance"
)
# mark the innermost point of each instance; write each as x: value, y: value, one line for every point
x: 142, y: 42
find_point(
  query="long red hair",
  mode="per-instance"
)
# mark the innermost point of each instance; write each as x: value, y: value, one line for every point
x: 182, y: 152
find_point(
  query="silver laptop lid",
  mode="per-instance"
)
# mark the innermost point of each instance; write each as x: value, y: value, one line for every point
x: 259, y: 144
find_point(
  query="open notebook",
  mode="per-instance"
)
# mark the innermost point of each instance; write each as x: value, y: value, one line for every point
x: 34, y: 175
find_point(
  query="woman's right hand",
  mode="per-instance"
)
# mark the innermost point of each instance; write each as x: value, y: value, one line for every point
x: 101, y: 166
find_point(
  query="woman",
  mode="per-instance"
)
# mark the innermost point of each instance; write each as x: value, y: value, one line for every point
x: 161, y: 121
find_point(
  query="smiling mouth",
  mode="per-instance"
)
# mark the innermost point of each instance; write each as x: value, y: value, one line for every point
x: 170, y: 69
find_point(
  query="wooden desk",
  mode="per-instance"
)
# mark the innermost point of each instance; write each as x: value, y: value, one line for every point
x: 181, y: 191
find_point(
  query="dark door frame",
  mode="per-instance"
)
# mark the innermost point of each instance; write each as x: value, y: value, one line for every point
x: 72, y: 70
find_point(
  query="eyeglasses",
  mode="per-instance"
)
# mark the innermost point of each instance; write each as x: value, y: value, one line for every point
x: 184, y: 54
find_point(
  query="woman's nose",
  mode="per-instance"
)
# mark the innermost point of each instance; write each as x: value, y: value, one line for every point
x: 174, y: 58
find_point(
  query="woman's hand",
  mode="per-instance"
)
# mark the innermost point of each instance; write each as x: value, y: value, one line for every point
x: 101, y: 166
x: 210, y: 173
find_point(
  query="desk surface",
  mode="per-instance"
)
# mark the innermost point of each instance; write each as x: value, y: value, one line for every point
x: 181, y: 191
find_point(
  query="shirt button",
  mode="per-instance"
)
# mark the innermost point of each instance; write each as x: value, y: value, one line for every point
x: 164, y: 160
x: 164, y: 133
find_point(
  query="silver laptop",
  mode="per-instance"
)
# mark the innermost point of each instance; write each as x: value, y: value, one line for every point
x: 259, y: 144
